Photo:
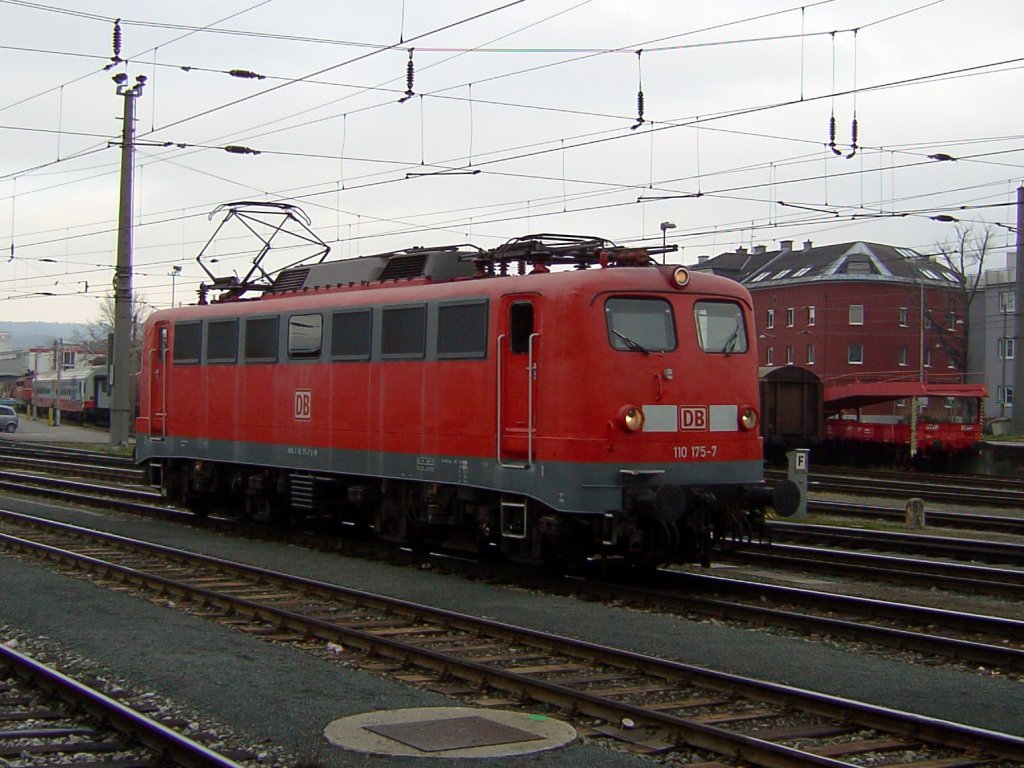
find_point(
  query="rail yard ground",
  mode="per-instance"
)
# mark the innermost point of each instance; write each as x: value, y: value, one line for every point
x: 285, y: 696
x: 38, y: 430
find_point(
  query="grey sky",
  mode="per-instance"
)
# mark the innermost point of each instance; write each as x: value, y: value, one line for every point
x: 540, y: 97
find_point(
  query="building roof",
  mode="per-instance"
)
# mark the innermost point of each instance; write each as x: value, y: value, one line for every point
x: 761, y: 268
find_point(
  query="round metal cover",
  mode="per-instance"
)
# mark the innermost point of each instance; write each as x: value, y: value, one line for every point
x: 449, y: 732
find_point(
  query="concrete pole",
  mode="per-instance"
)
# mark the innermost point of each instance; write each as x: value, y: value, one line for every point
x: 121, y: 410
x: 1018, y: 324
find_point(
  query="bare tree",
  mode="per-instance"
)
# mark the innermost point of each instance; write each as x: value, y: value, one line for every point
x: 963, y: 257
x: 97, y: 332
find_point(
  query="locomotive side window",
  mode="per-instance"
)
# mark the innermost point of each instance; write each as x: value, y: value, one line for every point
x: 403, y: 331
x: 187, y: 342
x: 462, y: 330
x: 351, y: 334
x: 305, y: 336
x: 520, y: 324
x: 261, y: 339
x: 222, y: 341
x: 640, y: 325
x: 720, y: 327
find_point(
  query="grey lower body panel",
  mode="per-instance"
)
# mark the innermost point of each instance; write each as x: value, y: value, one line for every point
x: 565, y: 486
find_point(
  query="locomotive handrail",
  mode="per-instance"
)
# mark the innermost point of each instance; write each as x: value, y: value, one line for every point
x: 531, y: 375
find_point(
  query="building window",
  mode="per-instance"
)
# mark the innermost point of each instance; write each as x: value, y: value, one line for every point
x: 951, y: 321
x: 810, y: 315
x: 855, y: 354
x: 926, y: 360
x: 903, y: 317
x: 1007, y: 302
x: 856, y: 314
x: 789, y: 317
x: 927, y: 322
x: 1005, y: 349
x: 770, y: 322
x: 789, y: 354
x: 903, y: 356
x: 810, y: 354
x: 769, y: 356
x: 1004, y: 395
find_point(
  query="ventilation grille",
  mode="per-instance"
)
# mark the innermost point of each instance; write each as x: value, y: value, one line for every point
x: 399, y: 267
x: 291, y: 280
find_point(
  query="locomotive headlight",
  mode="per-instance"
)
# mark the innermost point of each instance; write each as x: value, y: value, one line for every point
x: 680, y: 277
x: 631, y: 418
x: 748, y: 417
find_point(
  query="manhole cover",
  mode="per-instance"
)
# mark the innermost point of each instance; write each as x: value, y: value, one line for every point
x: 449, y: 732
x: 453, y: 733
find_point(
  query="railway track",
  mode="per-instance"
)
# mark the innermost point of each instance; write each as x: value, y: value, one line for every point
x: 956, y: 489
x: 651, y: 704
x: 914, y: 544
x: 50, y: 717
x: 962, y: 577
x: 976, y: 639
x: 995, y: 642
x: 70, y: 462
x: 938, y: 519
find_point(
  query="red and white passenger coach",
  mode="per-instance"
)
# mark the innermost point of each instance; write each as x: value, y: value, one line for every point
x: 439, y: 399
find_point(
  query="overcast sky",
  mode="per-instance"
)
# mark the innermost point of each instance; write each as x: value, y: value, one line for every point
x: 538, y: 96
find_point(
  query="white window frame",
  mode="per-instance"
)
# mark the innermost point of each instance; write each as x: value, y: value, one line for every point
x: 790, y: 317
x: 856, y: 314
x: 903, y: 317
x: 850, y: 356
x: 810, y: 354
x: 789, y: 354
x: 810, y: 316
x: 769, y: 356
x: 902, y: 357
x: 770, y: 322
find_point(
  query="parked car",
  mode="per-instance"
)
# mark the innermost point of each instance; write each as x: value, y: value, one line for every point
x: 8, y: 419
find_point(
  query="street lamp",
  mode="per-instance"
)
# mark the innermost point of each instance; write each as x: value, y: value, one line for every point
x: 175, y: 271
x: 665, y: 226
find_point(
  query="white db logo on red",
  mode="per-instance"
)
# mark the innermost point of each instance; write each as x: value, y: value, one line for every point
x: 693, y: 417
x: 303, y: 404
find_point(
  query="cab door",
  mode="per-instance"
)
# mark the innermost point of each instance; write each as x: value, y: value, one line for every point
x: 158, y: 382
x: 518, y: 372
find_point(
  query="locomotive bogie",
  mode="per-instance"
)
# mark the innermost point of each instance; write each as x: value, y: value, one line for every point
x: 606, y: 412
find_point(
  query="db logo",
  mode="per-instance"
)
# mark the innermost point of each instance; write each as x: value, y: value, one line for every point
x: 303, y: 404
x: 693, y: 417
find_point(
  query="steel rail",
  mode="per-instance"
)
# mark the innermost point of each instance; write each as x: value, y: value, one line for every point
x: 935, y: 488
x: 700, y: 735
x: 156, y: 736
x: 917, y: 544
x: 967, y: 520
x: 1004, y: 582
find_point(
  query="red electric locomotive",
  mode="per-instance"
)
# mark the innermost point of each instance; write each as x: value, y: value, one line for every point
x: 435, y: 397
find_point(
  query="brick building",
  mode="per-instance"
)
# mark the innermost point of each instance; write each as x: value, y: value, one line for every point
x: 856, y: 310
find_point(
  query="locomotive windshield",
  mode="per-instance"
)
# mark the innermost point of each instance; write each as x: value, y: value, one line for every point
x: 640, y: 325
x: 720, y: 326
